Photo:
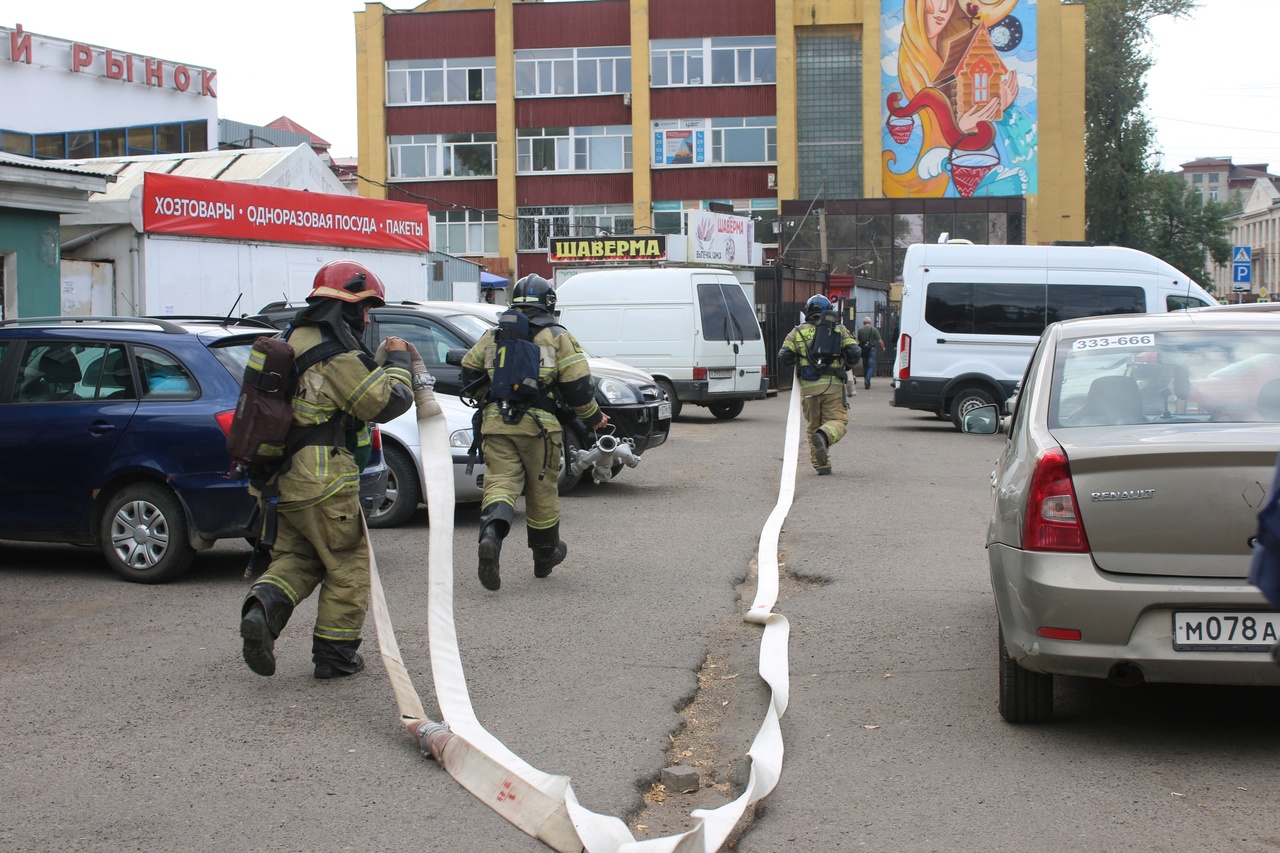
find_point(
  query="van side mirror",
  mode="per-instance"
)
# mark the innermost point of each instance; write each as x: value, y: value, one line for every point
x: 454, y: 357
x: 984, y: 420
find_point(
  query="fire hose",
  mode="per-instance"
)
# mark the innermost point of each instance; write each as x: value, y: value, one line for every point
x: 544, y: 805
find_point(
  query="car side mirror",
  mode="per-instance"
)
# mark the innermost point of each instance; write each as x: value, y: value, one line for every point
x: 454, y: 357
x: 984, y: 420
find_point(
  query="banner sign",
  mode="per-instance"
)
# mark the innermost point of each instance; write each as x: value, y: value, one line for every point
x: 236, y: 211
x: 720, y: 238
x: 627, y: 247
x: 680, y: 142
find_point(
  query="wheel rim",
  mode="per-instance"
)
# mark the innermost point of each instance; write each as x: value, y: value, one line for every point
x: 389, y: 498
x: 140, y: 534
x: 968, y: 404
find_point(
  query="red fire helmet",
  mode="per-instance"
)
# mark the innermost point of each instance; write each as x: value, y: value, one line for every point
x: 348, y: 281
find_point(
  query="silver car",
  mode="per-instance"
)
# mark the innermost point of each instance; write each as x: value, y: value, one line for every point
x: 1140, y: 450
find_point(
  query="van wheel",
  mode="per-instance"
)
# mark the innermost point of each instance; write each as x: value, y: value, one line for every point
x: 403, y: 494
x: 1025, y: 696
x: 568, y: 480
x: 727, y: 411
x: 144, y: 534
x: 669, y: 390
x: 966, y: 400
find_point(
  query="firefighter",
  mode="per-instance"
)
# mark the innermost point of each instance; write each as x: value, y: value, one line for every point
x: 821, y: 349
x: 523, y: 444
x: 321, y: 539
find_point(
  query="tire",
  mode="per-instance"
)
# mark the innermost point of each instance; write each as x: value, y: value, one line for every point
x: 569, y: 481
x: 404, y: 491
x: 727, y: 411
x: 966, y: 400
x: 1025, y: 696
x: 669, y: 390
x: 143, y: 534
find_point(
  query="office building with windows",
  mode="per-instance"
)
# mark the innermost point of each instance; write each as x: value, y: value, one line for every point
x: 516, y: 122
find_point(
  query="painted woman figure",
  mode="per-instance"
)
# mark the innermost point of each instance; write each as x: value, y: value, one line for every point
x: 956, y: 84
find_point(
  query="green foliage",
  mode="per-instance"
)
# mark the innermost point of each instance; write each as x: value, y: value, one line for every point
x: 1181, y: 227
x: 1127, y: 202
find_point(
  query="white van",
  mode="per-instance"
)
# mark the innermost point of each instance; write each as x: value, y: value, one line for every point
x: 971, y: 315
x: 694, y: 330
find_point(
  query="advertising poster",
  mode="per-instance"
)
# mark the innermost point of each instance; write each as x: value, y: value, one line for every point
x: 721, y: 239
x: 680, y: 143
x: 960, y: 110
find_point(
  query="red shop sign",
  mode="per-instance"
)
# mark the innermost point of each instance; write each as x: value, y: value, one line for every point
x: 200, y: 207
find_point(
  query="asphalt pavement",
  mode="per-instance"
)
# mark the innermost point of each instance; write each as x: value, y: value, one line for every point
x: 129, y: 722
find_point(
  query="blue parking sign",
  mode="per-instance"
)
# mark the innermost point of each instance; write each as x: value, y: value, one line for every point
x: 1241, y: 268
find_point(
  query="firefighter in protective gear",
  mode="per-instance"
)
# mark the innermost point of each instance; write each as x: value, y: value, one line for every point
x: 822, y: 385
x: 321, y: 539
x: 524, y: 456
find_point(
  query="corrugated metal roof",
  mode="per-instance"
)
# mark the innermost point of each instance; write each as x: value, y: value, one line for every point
x: 52, y: 165
x: 240, y: 165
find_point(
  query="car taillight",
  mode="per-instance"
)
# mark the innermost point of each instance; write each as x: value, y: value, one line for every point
x: 764, y: 370
x: 376, y: 441
x: 1052, y: 523
x: 904, y: 356
x: 224, y: 420
x: 699, y: 373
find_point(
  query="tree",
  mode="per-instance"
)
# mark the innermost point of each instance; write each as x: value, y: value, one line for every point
x: 1118, y: 135
x: 1181, y: 228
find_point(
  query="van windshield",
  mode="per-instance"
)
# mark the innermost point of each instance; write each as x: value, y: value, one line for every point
x: 726, y: 314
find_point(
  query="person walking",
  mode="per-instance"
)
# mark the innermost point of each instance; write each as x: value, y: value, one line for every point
x: 522, y: 439
x: 320, y: 535
x: 868, y: 339
x: 821, y: 350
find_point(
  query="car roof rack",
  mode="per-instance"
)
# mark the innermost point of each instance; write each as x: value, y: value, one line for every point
x: 213, y: 318
x: 169, y: 328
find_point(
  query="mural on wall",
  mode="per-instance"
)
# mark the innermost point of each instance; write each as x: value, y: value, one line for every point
x: 959, y: 79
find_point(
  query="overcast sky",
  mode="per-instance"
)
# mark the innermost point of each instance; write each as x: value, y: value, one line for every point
x: 1214, y: 91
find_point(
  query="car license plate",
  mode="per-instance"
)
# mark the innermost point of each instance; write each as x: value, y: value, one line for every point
x: 720, y: 373
x: 1219, y: 631
x: 664, y: 410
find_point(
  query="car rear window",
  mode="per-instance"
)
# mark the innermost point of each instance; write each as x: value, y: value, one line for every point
x: 233, y: 354
x: 1185, y: 376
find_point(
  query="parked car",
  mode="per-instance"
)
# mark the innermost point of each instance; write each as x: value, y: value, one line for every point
x: 633, y: 401
x: 1119, y: 540
x: 115, y: 433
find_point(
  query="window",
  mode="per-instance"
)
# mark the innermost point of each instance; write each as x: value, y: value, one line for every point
x: 726, y: 314
x: 1197, y: 178
x: 113, y: 142
x: 466, y: 232
x: 432, y: 340
x: 163, y: 377
x: 573, y: 71
x: 1214, y: 177
x: 743, y: 61
x: 441, y: 81
x: 1022, y: 309
x: 449, y: 155
x: 573, y: 149
x: 702, y: 141
x: 539, y: 224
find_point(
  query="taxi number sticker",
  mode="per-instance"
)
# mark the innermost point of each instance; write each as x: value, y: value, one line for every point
x: 1114, y: 342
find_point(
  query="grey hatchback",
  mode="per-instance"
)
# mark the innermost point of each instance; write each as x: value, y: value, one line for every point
x: 1140, y: 451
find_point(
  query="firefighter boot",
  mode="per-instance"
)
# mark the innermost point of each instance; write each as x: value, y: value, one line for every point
x: 546, y: 558
x: 336, y: 658
x: 263, y: 615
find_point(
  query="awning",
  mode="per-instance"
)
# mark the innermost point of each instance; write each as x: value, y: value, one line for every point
x: 490, y: 281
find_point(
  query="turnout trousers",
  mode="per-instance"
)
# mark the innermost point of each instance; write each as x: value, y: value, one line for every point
x: 324, y: 545
x: 512, y: 465
x: 826, y: 411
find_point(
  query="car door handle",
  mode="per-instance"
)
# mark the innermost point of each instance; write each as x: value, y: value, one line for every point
x: 101, y: 427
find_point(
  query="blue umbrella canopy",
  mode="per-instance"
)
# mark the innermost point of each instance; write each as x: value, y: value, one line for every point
x: 491, y: 281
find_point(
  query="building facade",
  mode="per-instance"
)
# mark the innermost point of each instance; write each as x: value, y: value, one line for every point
x: 63, y: 99
x: 516, y: 122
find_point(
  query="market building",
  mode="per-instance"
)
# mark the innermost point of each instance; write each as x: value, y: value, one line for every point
x: 845, y: 129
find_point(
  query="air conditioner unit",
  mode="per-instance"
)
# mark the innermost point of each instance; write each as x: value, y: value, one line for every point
x: 773, y: 180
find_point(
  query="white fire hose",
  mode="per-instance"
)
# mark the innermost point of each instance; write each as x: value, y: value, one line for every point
x: 541, y: 804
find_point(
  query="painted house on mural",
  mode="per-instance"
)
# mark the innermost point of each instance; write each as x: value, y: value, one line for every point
x: 226, y: 232
x: 972, y: 71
